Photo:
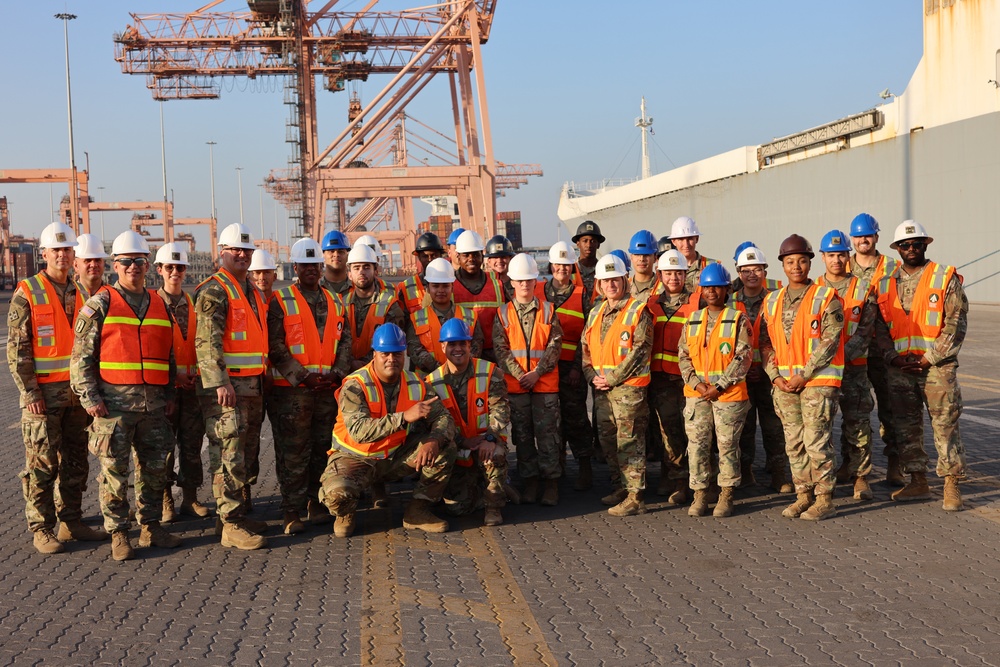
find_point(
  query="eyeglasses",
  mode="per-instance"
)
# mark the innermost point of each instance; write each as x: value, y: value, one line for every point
x: 129, y: 261
x: 908, y: 245
x: 239, y: 251
x: 179, y: 268
x: 752, y: 271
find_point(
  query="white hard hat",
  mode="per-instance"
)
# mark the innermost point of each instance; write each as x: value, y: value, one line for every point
x: 129, y: 242
x: 362, y: 254
x: 684, y: 227
x: 610, y: 266
x: 562, y: 253
x: 89, y: 246
x: 262, y: 260
x: 307, y: 251
x: 57, y: 235
x: 439, y: 270
x: 909, y: 229
x: 469, y: 241
x: 371, y: 242
x: 522, y: 267
x: 751, y: 256
x: 672, y: 260
x: 172, y: 253
x: 236, y: 236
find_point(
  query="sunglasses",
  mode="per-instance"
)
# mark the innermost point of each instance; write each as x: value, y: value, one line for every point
x: 129, y: 261
x: 908, y: 245
x: 179, y: 268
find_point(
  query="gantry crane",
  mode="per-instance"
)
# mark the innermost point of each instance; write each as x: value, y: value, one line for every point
x: 68, y: 176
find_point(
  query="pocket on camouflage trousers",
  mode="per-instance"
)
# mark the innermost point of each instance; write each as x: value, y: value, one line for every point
x: 228, y: 425
x: 102, y: 432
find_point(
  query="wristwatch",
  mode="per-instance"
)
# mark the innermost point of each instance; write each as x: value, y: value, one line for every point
x: 489, y: 438
x: 718, y: 388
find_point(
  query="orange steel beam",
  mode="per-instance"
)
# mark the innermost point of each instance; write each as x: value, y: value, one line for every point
x: 213, y: 233
x: 68, y: 176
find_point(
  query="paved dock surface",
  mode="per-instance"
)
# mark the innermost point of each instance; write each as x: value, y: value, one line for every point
x: 882, y: 583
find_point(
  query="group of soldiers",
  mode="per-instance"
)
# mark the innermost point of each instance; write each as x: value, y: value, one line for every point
x: 365, y: 383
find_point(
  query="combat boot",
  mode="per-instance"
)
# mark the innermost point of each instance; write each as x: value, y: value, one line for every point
x: 530, y: 493
x: 614, y: 497
x: 952, y: 496
x: 380, y: 497
x: 680, y: 494
x: 724, y: 507
x: 917, y: 489
x: 861, y: 489
x: 318, y: 513
x: 293, y: 524
x: 236, y: 535
x: 844, y: 472
x: 700, y: 505
x: 155, y: 535
x: 121, y: 548
x: 418, y: 516
x: 45, y: 542
x: 343, y: 526
x: 779, y: 481
x: 513, y: 497
x: 258, y: 527
x: 632, y: 505
x: 492, y: 517
x: 190, y: 505
x: 247, y: 499
x: 894, y: 472
x: 550, y: 496
x: 78, y: 530
x: 803, y: 502
x: 585, y: 475
x: 169, y: 510
x: 823, y: 508
x: 746, y: 477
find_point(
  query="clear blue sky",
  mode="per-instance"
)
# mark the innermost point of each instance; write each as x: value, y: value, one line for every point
x: 564, y: 81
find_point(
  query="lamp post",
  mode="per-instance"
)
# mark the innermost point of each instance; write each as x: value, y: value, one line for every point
x: 260, y: 192
x: 100, y: 197
x: 211, y: 170
x: 74, y: 195
x: 239, y: 176
x: 168, y: 225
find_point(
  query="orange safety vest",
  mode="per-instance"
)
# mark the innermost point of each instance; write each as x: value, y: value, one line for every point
x: 854, y: 303
x: 527, y: 355
x: 361, y: 344
x: 570, y: 313
x: 427, y: 327
x: 477, y: 404
x: 485, y: 303
x: 302, y: 335
x: 886, y: 267
x: 667, y: 334
x: 52, y: 342
x: 411, y: 292
x: 609, y: 354
x: 738, y: 304
x: 915, y: 332
x: 411, y: 392
x: 184, y: 354
x: 244, y: 342
x: 806, y: 331
x: 712, y: 353
x: 134, y: 350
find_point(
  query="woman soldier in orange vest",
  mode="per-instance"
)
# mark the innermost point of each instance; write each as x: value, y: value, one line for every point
x: 527, y: 340
x: 803, y: 353
x: 715, y: 353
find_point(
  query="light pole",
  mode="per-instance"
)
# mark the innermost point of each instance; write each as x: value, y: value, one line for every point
x: 260, y: 192
x: 100, y: 197
x: 239, y: 176
x: 74, y: 194
x: 168, y: 225
x: 211, y: 169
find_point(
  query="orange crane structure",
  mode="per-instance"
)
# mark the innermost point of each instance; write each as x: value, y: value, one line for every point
x: 184, y: 55
x: 69, y: 176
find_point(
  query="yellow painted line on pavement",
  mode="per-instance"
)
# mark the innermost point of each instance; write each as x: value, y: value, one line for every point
x: 449, y: 603
x: 962, y: 376
x: 980, y: 387
x: 381, y: 629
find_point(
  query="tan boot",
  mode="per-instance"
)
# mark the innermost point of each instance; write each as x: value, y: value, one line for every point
x: 78, y: 530
x: 585, y: 476
x: 258, y: 527
x: 492, y: 517
x: 632, y: 505
x: 530, y: 493
x: 513, y: 497
x: 713, y: 492
x: 380, y: 497
x: 293, y: 524
x: 952, y: 496
x: 169, y: 510
x: 746, y: 477
x: 700, y: 505
x: 780, y: 483
x: 343, y: 526
x: 917, y: 489
x: 550, y: 496
x: 155, y: 535
x: 247, y: 499
x: 615, y: 497
x: 823, y: 508
x: 681, y: 492
x: 318, y: 513
x: 862, y: 491
x: 418, y: 516
x: 844, y: 472
x: 724, y: 507
x: 803, y: 502
x: 894, y: 472
x: 45, y: 542
x: 121, y: 548
x: 236, y: 535
x: 190, y: 505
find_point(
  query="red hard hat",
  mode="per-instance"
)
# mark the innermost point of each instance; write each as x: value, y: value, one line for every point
x: 795, y: 245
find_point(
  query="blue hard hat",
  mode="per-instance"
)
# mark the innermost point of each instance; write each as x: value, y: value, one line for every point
x: 335, y: 240
x: 835, y: 241
x: 389, y: 338
x: 453, y: 237
x: 740, y: 248
x: 863, y: 225
x: 714, y: 275
x: 643, y: 243
x: 620, y: 254
x: 455, y: 329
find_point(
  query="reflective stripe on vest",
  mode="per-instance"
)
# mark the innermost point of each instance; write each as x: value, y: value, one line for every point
x: 244, y: 342
x: 427, y: 327
x: 52, y: 333
x: 485, y: 304
x: 135, y: 351
x: 667, y: 334
x: 610, y: 353
x: 570, y: 314
x: 740, y: 305
x: 853, y: 301
x: 792, y: 356
x: 411, y: 293
x: 361, y: 344
x: 184, y: 352
x: 315, y: 353
x: 916, y: 332
x: 477, y: 406
x: 411, y: 391
x: 712, y: 353
x: 528, y: 354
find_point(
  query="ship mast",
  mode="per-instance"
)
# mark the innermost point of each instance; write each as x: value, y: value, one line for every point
x: 642, y: 123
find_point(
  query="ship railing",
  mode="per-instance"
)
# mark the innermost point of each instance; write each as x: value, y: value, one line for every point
x: 978, y: 259
x: 574, y: 189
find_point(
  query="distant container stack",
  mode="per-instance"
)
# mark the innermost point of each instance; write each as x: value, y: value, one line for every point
x: 509, y: 225
x: 440, y: 225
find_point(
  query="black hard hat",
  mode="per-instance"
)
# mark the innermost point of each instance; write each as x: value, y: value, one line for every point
x: 589, y: 228
x: 499, y: 246
x: 663, y: 245
x: 428, y: 241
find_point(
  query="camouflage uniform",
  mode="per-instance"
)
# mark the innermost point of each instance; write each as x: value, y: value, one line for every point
x: 643, y: 291
x: 666, y: 404
x: 476, y: 287
x: 622, y: 412
x: 423, y: 359
x: 55, y: 444
x: 535, y: 427
x: 937, y: 387
x: 575, y: 426
x: 339, y: 287
x: 588, y: 274
x: 476, y: 484
x: 360, y: 306
x: 705, y: 421
x: 136, y: 419
x: 807, y: 417
x: 347, y: 475
x: 694, y: 271
x: 233, y: 432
